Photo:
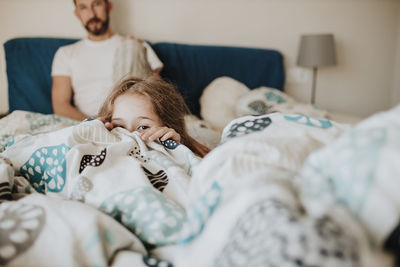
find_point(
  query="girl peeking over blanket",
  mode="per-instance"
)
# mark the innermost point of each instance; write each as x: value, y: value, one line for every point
x: 152, y: 107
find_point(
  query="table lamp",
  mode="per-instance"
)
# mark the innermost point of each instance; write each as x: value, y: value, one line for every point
x: 316, y: 50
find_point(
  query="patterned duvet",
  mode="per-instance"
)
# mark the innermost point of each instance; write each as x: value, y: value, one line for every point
x: 279, y: 190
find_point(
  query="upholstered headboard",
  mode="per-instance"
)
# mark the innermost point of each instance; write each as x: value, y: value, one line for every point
x: 190, y: 67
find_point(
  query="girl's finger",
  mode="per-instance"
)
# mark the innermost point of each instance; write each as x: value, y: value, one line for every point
x: 167, y: 136
x: 102, y: 119
x: 145, y: 134
x: 109, y: 125
x: 159, y: 133
x: 171, y: 134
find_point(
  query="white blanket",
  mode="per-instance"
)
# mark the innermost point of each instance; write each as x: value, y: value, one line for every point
x: 239, y: 206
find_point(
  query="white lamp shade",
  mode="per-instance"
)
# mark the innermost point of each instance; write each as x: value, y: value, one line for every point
x: 316, y: 50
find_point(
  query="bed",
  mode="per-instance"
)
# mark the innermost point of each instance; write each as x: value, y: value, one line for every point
x: 284, y: 186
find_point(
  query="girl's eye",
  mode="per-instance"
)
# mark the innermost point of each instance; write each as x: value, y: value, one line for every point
x: 141, y: 128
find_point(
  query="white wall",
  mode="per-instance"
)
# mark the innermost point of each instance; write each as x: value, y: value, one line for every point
x: 367, y: 34
x: 396, y: 81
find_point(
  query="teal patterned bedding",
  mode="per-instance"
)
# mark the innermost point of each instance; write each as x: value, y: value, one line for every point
x: 272, y: 193
x: 360, y: 171
x: 24, y: 122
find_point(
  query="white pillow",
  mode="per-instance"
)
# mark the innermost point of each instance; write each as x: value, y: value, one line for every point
x: 218, y: 101
x: 264, y: 100
x: 202, y: 131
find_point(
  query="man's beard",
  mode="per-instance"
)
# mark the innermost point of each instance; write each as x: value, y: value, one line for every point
x: 102, y: 29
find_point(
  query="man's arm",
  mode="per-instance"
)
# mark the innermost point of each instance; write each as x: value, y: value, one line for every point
x: 61, y: 96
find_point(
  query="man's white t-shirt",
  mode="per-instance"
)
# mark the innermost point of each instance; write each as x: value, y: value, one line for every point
x: 90, y: 65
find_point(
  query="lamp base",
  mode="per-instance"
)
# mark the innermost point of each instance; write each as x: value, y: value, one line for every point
x: 314, y: 82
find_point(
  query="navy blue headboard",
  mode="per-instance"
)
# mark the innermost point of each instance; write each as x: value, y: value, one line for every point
x: 28, y: 62
x: 190, y: 67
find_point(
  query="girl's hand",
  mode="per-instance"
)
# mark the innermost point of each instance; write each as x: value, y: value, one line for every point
x: 159, y: 132
x: 107, y: 124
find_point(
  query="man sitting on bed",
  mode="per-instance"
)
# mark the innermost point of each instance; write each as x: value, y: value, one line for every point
x: 84, y: 72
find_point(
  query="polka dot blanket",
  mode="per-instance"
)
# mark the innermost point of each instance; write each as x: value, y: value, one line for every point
x: 100, y: 198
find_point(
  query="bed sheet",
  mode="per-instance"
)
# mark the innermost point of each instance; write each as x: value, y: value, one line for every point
x: 344, y: 118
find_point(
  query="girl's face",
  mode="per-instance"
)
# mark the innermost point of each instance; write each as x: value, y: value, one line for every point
x: 134, y: 112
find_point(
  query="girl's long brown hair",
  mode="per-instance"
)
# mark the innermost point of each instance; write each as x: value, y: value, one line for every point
x: 167, y: 103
